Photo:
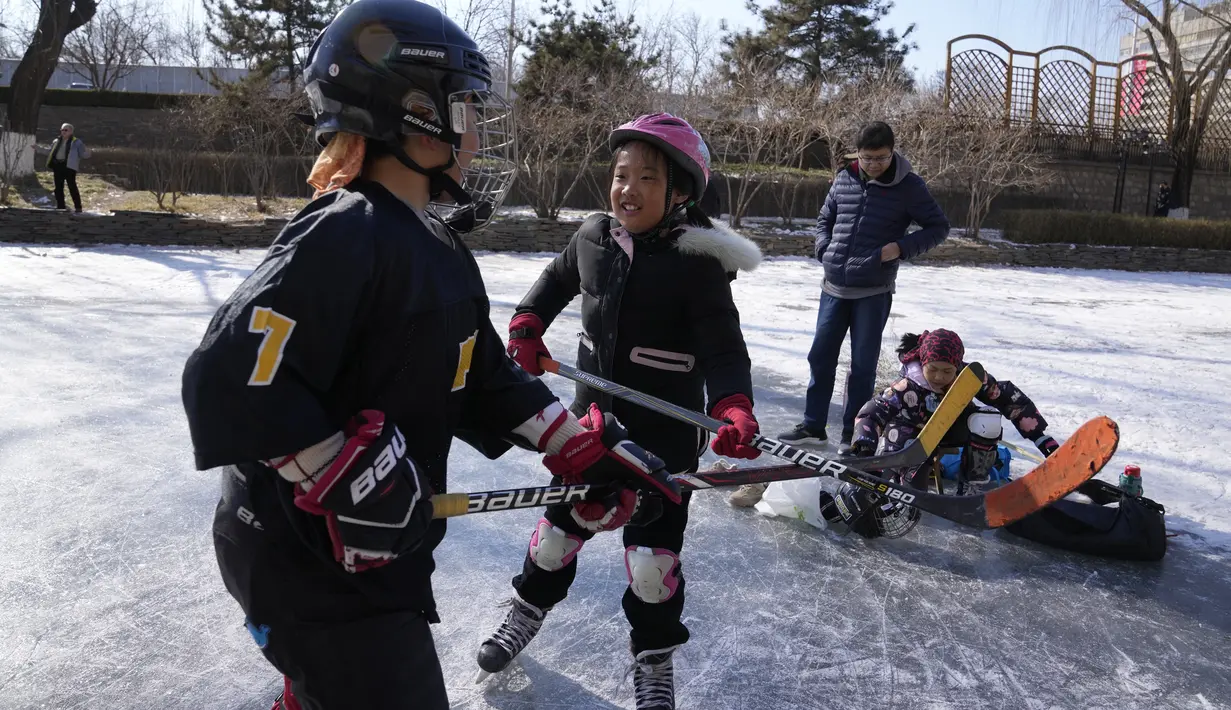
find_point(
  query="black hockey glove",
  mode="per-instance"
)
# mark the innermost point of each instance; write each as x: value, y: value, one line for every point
x: 376, y: 503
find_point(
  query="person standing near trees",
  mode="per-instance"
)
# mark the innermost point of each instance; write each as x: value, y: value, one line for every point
x: 67, y: 152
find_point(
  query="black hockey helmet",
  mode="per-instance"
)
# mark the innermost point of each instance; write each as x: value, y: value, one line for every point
x: 384, y: 69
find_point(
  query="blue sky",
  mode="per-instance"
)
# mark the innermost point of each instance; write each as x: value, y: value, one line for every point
x: 1023, y: 24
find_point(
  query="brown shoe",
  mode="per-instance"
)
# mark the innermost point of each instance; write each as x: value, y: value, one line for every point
x: 747, y: 495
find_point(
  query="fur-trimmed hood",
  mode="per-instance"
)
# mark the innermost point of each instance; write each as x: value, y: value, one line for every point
x: 733, y: 250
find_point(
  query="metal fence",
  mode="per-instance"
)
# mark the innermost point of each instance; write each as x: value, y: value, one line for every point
x: 1078, y: 106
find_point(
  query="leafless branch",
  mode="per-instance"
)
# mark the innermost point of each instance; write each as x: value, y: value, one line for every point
x: 486, y: 21
x: 115, y: 42
x: 755, y: 126
x: 254, y: 118
x: 559, y: 142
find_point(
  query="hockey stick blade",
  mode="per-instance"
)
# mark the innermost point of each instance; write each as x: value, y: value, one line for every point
x: 1077, y: 460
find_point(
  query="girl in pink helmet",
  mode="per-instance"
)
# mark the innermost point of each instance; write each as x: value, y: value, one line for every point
x: 657, y: 316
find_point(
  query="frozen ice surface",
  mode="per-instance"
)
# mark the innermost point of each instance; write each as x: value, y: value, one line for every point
x: 110, y: 598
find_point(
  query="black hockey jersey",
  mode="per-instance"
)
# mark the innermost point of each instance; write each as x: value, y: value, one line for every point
x: 357, y: 305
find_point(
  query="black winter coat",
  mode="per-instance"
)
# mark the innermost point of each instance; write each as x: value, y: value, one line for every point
x: 663, y: 323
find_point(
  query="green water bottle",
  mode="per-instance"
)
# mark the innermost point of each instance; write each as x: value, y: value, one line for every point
x: 1130, y: 480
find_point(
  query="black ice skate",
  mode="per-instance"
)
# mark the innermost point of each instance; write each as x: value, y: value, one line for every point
x: 519, y: 627
x: 654, y: 679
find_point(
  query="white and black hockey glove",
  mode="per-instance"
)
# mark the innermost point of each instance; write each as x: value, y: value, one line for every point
x: 603, y: 455
x: 376, y: 503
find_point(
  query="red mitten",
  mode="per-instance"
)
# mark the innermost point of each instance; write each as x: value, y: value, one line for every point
x: 735, y: 438
x: 526, y: 342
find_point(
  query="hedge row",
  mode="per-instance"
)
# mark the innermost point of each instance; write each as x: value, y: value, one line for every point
x: 105, y: 99
x: 1109, y: 229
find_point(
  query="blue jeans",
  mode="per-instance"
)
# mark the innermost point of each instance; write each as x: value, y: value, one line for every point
x: 865, y: 318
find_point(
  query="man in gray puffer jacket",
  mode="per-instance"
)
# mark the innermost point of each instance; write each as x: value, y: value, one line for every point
x: 67, y: 152
x: 861, y: 239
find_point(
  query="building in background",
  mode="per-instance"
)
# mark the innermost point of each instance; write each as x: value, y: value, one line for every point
x: 144, y: 79
x: 1195, y: 32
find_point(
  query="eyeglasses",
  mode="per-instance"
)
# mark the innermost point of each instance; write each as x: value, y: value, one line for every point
x: 879, y: 159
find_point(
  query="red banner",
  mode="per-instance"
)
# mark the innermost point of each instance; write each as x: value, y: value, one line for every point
x: 1134, y: 93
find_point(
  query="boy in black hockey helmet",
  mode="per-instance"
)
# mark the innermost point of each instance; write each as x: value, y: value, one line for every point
x: 331, y: 384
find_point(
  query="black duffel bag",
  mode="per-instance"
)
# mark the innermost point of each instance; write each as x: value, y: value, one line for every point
x: 1133, y: 530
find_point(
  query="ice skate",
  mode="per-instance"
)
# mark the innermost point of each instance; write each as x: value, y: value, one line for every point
x: 519, y: 627
x: 654, y: 679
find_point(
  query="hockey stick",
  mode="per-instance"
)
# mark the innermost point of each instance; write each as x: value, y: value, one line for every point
x: 1077, y: 460
x: 1026, y: 453
x: 963, y: 389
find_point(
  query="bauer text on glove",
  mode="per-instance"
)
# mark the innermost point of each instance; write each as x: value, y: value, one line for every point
x: 376, y: 503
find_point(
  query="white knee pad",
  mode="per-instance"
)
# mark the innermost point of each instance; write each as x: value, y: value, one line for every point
x: 985, y: 424
x: 551, y: 548
x: 652, y: 573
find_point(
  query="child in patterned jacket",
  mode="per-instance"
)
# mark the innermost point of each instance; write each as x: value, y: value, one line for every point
x: 930, y: 363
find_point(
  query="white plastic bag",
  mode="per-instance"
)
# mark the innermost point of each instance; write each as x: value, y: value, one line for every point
x: 794, y: 499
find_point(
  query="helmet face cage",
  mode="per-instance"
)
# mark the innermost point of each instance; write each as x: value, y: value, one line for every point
x: 489, y: 169
x: 895, y: 519
x: 386, y: 69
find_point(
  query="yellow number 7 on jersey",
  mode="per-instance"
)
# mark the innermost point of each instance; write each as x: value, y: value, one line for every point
x: 277, y: 329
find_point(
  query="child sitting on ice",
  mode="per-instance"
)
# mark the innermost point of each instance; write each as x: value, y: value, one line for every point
x: 930, y: 364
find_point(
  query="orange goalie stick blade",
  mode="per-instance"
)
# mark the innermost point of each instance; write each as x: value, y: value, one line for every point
x: 1076, y: 461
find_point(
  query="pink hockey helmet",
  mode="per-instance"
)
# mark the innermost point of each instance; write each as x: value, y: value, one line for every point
x: 675, y: 138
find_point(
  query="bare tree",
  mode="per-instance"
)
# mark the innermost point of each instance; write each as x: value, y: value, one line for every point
x: 57, y: 19
x: 13, y: 35
x: 993, y: 158
x: 186, y: 45
x: 1195, y: 86
x: 1192, y: 76
x: 980, y: 157
x: 255, y: 117
x: 486, y: 21
x: 696, y: 48
x: 684, y: 49
x: 170, y: 159
x: 756, y: 125
x: 558, y: 142
x: 656, y: 46
x: 120, y: 37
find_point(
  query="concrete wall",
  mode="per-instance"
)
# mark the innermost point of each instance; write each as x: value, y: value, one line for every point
x: 531, y: 235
